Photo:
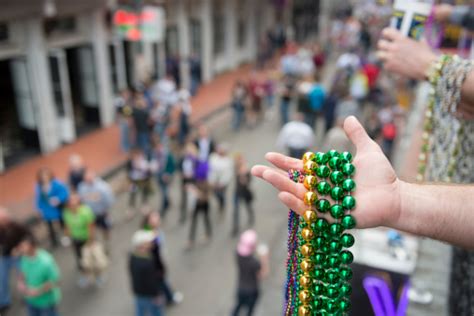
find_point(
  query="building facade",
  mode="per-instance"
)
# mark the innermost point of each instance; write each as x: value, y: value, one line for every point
x: 61, y: 61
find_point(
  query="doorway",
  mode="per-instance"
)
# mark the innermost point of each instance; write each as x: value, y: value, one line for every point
x: 84, y: 88
x: 19, y: 138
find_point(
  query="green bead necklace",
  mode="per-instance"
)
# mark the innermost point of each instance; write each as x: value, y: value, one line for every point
x: 318, y: 280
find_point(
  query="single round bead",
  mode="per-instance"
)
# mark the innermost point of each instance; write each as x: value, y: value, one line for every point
x: 346, y: 257
x: 337, y: 193
x: 347, y: 240
x: 346, y: 156
x: 334, y: 261
x: 335, y: 229
x: 308, y: 156
x: 319, y: 289
x: 319, y: 258
x: 331, y: 306
x: 348, y: 222
x: 307, y: 234
x: 323, y: 205
x: 319, y: 242
x: 345, y: 273
x: 319, y: 274
x: 310, y: 182
x: 305, y: 296
x: 304, y: 310
x: 310, y: 216
x: 345, y: 305
x: 335, y: 163
x: 348, y: 185
x: 306, y: 265
x: 337, y: 211
x: 321, y: 224
x: 323, y: 171
x: 332, y: 277
x: 336, y: 177
x: 332, y: 292
x: 321, y: 158
x: 323, y: 187
x: 333, y: 153
x: 310, y: 167
x: 302, y: 224
x: 317, y: 303
x: 348, y: 169
x: 305, y: 281
x: 307, y: 250
x: 348, y: 202
x: 345, y: 289
x: 310, y: 198
x: 334, y: 246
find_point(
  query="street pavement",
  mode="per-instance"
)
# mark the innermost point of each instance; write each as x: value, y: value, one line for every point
x: 205, y: 275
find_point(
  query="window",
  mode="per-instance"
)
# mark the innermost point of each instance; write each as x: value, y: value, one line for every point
x: 59, y: 26
x: 241, y: 23
x: 219, y: 26
x: 171, y: 44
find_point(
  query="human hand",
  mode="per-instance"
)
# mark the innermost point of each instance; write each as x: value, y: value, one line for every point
x: 403, y: 55
x: 32, y: 292
x: 378, y: 188
x: 442, y: 12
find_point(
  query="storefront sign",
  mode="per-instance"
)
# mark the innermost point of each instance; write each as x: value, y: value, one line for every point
x: 147, y: 26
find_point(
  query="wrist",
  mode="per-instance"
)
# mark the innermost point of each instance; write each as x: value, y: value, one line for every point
x: 399, y: 207
x: 428, y: 66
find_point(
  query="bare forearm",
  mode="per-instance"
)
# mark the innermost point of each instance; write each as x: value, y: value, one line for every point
x: 442, y: 212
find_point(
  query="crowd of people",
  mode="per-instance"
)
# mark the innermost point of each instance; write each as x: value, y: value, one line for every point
x: 162, y: 144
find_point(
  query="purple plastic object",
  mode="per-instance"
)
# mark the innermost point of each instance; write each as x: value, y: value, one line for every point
x: 381, y: 299
x: 429, y: 27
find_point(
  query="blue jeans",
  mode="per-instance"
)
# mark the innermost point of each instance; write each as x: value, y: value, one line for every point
x: 125, y: 136
x: 146, y: 306
x: 284, y: 111
x: 143, y: 142
x: 237, y: 119
x: 46, y: 311
x: 7, y: 263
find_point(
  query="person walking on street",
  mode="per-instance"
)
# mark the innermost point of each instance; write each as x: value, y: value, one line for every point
x: 38, y: 278
x: 124, y: 111
x: 141, y: 123
x: 76, y: 171
x: 146, y: 275
x: 201, y: 209
x: 79, y: 223
x: 11, y: 233
x: 242, y: 192
x: 296, y: 136
x: 152, y: 222
x: 98, y: 195
x: 188, y: 168
x: 251, y: 271
x: 220, y: 174
x: 138, y: 172
x: 204, y: 143
x: 51, y: 196
x: 163, y: 165
x: 239, y: 97
x: 184, y: 103
x: 287, y: 92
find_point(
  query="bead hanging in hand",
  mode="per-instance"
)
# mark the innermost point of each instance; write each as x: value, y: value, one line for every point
x: 318, y: 271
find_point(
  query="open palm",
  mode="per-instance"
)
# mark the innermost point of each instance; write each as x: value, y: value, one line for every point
x: 378, y: 188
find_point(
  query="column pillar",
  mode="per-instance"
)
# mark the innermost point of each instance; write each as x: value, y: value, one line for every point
x: 252, y: 36
x: 38, y: 65
x: 184, y: 44
x: 102, y: 66
x: 231, y: 31
x: 207, y: 40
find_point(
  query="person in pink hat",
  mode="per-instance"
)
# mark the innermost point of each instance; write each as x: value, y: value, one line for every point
x: 252, y: 262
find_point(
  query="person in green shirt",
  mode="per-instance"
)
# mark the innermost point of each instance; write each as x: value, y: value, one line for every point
x: 79, y: 221
x: 38, y: 279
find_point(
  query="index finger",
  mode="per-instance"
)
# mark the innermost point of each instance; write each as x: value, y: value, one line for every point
x: 284, y: 162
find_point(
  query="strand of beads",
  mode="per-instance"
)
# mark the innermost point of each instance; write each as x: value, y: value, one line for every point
x: 323, y: 270
x: 292, y: 263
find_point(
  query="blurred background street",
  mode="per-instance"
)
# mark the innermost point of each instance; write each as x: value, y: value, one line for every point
x: 140, y: 107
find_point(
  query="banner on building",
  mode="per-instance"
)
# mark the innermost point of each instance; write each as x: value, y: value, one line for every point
x: 147, y: 25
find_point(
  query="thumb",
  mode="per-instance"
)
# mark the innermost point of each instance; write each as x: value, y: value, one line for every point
x: 358, y: 135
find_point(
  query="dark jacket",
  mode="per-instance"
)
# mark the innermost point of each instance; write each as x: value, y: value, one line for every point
x: 146, y: 275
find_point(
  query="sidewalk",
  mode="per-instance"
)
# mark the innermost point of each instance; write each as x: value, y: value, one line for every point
x: 100, y: 149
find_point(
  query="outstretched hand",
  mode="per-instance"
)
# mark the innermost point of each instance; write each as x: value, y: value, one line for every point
x: 378, y: 188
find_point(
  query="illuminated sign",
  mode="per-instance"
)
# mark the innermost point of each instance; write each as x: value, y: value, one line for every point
x: 147, y: 26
